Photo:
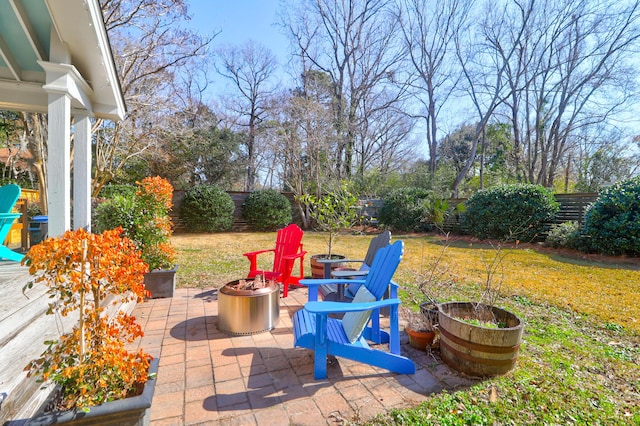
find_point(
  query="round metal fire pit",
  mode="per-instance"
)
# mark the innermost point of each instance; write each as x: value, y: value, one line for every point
x: 246, y: 312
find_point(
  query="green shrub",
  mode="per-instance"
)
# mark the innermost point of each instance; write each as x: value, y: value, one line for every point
x: 405, y: 209
x: 144, y: 217
x: 207, y: 208
x: 267, y: 210
x: 612, y: 222
x: 510, y: 212
x: 111, y: 190
x: 566, y: 234
x: 118, y: 210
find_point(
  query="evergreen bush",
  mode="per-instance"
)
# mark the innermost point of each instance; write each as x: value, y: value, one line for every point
x: 510, y: 212
x: 404, y: 209
x: 612, y: 222
x: 566, y: 234
x: 207, y: 208
x: 111, y: 190
x: 267, y: 210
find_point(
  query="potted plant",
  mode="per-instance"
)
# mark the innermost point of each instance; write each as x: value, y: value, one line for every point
x: 478, y: 338
x: 333, y: 212
x: 144, y: 218
x: 420, y: 328
x: 429, y: 282
x: 91, y: 367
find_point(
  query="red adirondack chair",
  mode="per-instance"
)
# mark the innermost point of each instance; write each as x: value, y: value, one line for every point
x: 288, y: 249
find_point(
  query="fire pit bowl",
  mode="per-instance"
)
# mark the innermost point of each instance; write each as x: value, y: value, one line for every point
x: 246, y: 307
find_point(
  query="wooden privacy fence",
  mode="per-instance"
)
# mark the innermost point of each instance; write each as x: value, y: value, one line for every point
x: 572, y: 208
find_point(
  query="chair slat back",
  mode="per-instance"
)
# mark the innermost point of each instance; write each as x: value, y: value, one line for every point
x: 288, y: 242
x: 376, y: 244
x: 383, y: 267
x: 9, y: 194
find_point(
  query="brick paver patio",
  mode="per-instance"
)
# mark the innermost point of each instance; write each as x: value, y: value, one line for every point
x: 208, y: 377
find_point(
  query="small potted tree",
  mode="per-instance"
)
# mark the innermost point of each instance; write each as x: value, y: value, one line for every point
x: 91, y: 366
x: 335, y: 211
x: 430, y: 282
x: 144, y: 218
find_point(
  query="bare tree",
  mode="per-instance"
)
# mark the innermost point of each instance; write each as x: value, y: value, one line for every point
x: 429, y: 30
x: 301, y: 142
x: 356, y: 44
x: 251, y: 69
x: 484, y: 70
x: 570, y: 71
x: 383, y: 142
x: 150, y: 49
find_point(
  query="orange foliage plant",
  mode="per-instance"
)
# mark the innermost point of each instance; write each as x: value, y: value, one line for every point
x: 91, y: 363
x: 155, y: 227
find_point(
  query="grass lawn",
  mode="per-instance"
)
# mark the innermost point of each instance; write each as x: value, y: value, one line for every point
x: 578, y: 363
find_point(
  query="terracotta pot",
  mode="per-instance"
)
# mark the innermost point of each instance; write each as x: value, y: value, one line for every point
x: 420, y: 339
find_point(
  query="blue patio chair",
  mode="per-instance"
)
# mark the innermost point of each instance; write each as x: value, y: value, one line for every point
x: 343, y: 292
x: 9, y: 194
x: 314, y: 329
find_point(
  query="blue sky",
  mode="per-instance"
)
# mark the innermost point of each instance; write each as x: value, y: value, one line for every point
x: 240, y: 20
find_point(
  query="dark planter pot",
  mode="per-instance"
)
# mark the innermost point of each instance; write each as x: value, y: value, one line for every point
x: 317, y: 268
x: 161, y: 282
x: 420, y: 339
x: 430, y: 313
x: 474, y: 349
x: 124, y: 412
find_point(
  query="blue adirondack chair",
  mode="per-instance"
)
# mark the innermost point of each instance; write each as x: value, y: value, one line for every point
x: 343, y: 292
x: 9, y: 194
x: 347, y: 337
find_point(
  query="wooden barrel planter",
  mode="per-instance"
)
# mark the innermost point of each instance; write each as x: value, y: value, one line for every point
x: 317, y: 268
x: 474, y: 349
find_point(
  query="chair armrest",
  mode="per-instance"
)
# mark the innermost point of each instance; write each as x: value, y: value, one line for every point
x: 255, y: 253
x: 334, y: 307
x: 253, y: 258
x: 340, y: 274
x: 321, y: 281
x: 339, y: 261
x: 295, y: 256
x: 8, y: 218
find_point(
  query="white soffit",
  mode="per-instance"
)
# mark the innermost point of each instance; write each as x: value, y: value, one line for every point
x: 38, y: 34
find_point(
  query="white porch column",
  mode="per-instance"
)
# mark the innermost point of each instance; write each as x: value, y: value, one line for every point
x: 82, y: 173
x: 58, y: 165
x: 66, y: 88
